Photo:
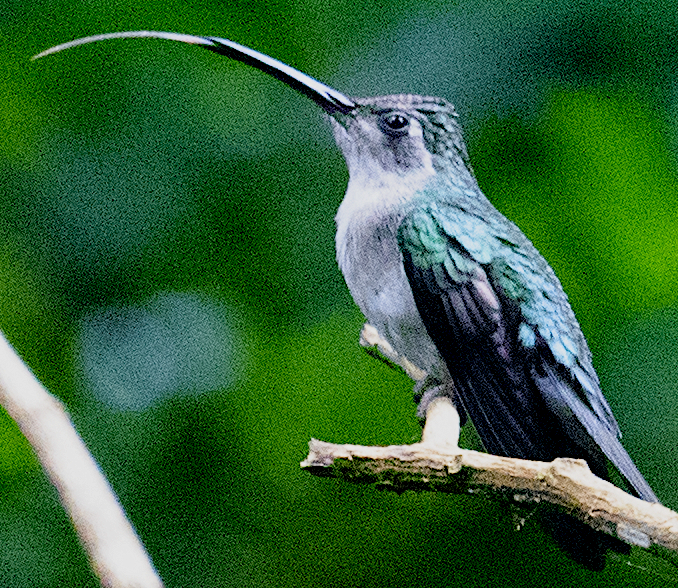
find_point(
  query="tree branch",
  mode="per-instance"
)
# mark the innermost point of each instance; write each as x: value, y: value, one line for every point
x: 115, y: 552
x: 567, y: 483
x: 438, y: 464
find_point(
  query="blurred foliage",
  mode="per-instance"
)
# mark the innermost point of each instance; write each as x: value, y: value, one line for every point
x: 136, y: 168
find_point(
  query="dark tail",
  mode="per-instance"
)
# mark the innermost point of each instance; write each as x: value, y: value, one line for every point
x: 584, y: 545
x: 513, y: 420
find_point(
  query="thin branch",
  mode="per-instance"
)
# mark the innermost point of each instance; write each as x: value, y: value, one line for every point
x: 115, y: 552
x: 567, y: 483
x: 438, y: 464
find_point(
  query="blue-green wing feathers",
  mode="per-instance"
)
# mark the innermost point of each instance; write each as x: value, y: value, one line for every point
x: 502, y: 323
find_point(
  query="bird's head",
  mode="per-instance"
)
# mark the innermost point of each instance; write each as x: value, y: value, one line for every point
x: 401, y: 134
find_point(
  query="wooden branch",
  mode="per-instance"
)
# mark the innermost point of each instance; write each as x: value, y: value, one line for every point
x: 567, y: 483
x: 115, y: 552
x: 438, y: 464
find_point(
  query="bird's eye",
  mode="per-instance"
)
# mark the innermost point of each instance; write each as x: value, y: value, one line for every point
x: 395, y: 123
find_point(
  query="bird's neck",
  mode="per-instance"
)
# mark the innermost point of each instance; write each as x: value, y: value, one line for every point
x: 372, y: 197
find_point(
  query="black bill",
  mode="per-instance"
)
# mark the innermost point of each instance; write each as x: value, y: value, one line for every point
x: 327, y: 98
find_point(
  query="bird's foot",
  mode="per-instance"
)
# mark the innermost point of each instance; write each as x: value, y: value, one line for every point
x: 381, y: 349
x: 437, y: 411
x: 443, y: 424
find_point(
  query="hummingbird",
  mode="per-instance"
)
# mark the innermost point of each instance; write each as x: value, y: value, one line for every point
x: 455, y: 287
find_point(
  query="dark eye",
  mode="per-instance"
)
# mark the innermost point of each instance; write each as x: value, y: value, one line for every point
x: 395, y: 123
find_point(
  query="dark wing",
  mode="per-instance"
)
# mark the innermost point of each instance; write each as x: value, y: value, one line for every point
x: 502, y: 323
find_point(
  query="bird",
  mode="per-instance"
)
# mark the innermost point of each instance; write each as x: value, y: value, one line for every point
x: 455, y: 287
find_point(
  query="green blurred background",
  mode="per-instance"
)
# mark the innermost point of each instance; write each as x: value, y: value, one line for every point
x: 167, y: 269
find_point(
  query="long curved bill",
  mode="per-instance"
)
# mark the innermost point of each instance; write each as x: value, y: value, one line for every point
x: 328, y: 98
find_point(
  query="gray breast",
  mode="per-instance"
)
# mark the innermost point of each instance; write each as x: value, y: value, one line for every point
x: 370, y: 259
